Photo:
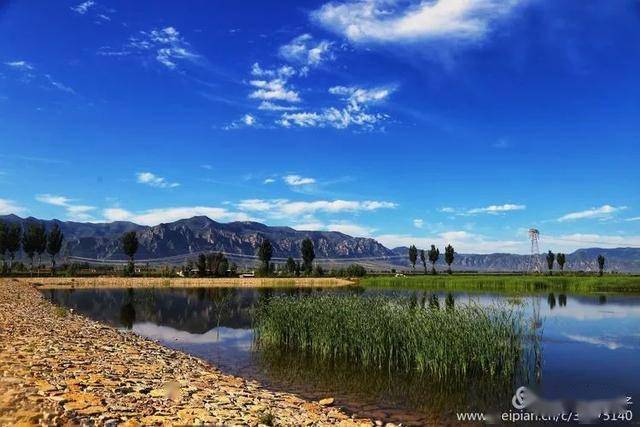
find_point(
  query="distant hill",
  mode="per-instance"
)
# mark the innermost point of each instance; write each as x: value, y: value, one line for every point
x: 618, y: 259
x: 187, y: 237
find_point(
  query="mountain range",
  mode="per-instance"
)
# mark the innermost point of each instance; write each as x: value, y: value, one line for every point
x: 176, y: 241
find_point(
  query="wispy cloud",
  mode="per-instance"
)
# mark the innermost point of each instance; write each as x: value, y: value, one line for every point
x: 462, y: 241
x: 248, y: 120
x: 602, y: 212
x: 490, y: 210
x: 93, y: 9
x: 20, y: 65
x: 418, y: 223
x: 164, y: 215
x: 355, y: 113
x: 74, y: 212
x: 296, y: 180
x: 497, y: 209
x: 345, y: 227
x: 84, y: 7
x: 166, y: 45
x: 283, y: 208
x: 10, y: 207
x: 395, y: 21
x: 153, y: 180
x: 269, y: 181
x: 306, y: 52
x: 273, y: 85
x: 28, y: 74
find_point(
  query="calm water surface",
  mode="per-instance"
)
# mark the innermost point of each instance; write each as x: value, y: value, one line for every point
x: 590, y: 347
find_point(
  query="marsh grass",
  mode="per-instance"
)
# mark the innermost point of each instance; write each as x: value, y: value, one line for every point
x: 509, y: 284
x: 396, y: 334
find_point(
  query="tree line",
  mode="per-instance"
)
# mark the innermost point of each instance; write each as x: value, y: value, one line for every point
x: 296, y: 268
x: 432, y: 255
x: 561, y: 259
x: 33, y: 240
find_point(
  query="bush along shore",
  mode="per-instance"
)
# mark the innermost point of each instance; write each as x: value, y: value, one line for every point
x: 60, y: 368
x: 398, y: 334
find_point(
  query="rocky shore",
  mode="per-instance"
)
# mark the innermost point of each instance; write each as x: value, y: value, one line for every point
x: 59, y: 368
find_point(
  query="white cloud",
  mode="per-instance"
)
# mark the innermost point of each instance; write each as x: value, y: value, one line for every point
x: 331, y: 117
x: 273, y: 90
x: 357, y: 95
x: 74, y: 211
x: 10, y: 207
x: 153, y: 180
x: 309, y: 226
x: 345, y: 227
x: 571, y: 242
x: 496, y: 209
x: 28, y: 74
x: 305, y: 51
x: 270, y: 106
x: 353, y: 114
x: 269, y: 181
x: 418, y: 223
x: 58, y: 85
x: 248, y: 120
x: 83, y: 8
x: 603, y: 212
x: 351, y: 229
x: 395, y: 21
x: 165, y: 45
x: 462, y: 241
x: 447, y: 209
x: 20, y: 65
x: 296, y: 180
x: 283, y: 208
x: 164, y: 215
x: 635, y: 218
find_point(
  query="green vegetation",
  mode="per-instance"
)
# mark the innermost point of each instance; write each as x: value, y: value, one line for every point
x: 265, y: 252
x: 423, y: 260
x: 449, y: 256
x: 434, y: 254
x: 551, y: 257
x: 413, y: 256
x: 600, y: 264
x: 54, y: 244
x: 561, y: 259
x: 509, y: 284
x: 397, y: 334
x: 308, y: 255
x: 130, y: 247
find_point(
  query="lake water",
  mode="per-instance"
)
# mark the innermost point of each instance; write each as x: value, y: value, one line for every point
x: 590, y: 347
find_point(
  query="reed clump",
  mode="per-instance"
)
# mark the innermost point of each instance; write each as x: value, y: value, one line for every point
x: 396, y: 334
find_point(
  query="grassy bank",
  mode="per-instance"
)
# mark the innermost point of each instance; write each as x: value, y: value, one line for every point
x: 509, y: 284
x: 396, y: 334
x: 159, y: 282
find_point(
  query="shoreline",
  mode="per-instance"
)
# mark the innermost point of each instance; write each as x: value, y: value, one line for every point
x: 162, y: 282
x: 63, y: 368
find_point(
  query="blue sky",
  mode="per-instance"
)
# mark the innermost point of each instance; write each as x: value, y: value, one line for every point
x: 440, y: 121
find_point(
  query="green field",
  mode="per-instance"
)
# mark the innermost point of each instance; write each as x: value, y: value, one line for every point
x: 509, y: 283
